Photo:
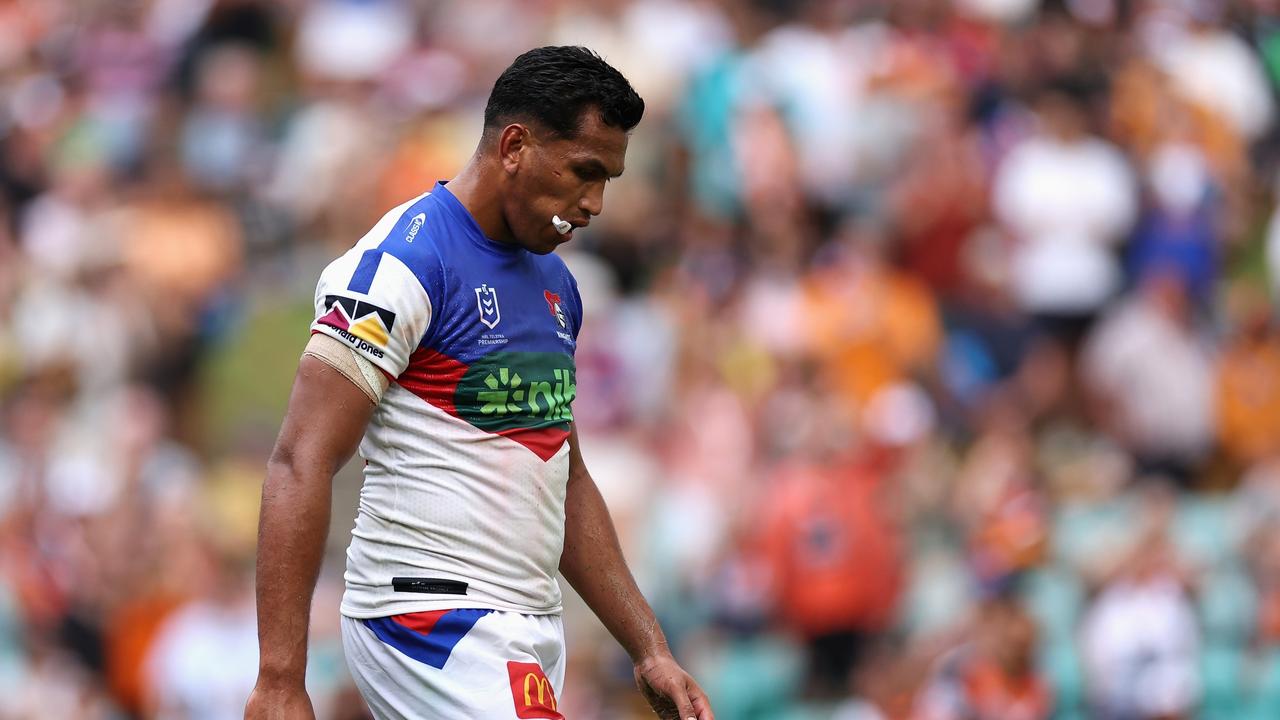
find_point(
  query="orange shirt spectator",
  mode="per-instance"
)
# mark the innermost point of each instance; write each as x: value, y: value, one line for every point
x: 834, y: 555
x: 1249, y: 397
x: 870, y: 325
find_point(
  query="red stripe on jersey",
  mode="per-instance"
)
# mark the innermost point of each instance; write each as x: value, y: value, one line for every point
x: 434, y: 377
x: 543, y: 442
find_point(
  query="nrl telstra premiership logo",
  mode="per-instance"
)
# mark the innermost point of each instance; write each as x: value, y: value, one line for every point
x: 487, y: 304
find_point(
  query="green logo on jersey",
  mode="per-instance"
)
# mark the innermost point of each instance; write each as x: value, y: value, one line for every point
x: 507, y: 390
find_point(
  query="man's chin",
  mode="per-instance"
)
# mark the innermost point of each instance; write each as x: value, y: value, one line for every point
x: 546, y: 246
x: 542, y: 248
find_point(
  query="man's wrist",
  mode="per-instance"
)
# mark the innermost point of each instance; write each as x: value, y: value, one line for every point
x: 651, y: 653
x: 282, y: 674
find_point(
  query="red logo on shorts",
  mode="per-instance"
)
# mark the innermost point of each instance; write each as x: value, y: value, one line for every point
x: 532, y: 692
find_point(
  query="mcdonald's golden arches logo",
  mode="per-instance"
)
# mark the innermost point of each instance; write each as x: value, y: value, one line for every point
x: 543, y: 685
x: 532, y: 693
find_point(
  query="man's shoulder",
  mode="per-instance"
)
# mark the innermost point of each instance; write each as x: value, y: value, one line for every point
x: 413, y: 228
x: 391, y: 265
x: 415, y: 233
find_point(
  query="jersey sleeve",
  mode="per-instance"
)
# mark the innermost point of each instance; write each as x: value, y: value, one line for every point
x: 374, y: 303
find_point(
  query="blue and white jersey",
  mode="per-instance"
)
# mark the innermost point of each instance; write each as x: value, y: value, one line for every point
x: 467, y: 455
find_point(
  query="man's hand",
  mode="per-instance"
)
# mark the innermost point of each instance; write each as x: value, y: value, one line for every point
x: 277, y: 701
x: 592, y: 563
x: 671, y: 693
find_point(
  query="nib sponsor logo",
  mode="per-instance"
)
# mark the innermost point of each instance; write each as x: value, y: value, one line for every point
x: 524, y: 397
x: 508, y: 390
x: 361, y: 323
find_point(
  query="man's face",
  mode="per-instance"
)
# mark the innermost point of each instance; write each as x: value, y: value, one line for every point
x: 552, y: 176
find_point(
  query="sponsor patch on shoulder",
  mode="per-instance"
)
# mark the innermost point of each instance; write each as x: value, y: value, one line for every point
x: 363, y: 324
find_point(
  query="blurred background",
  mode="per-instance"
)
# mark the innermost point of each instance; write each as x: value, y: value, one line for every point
x: 930, y: 369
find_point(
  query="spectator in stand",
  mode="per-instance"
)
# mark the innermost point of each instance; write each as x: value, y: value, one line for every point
x: 1139, y: 639
x: 992, y: 676
x: 832, y: 538
x: 1179, y: 230
x: 1248, y: 384
x: 1216, y: 69
x: 1067, y: 197
x: 1150, y: 372
x: 869, y: 323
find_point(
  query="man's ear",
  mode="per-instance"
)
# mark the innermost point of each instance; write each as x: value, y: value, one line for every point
x: 512, y: 144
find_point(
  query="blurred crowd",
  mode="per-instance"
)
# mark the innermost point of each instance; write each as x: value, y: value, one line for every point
x: 930, y: 367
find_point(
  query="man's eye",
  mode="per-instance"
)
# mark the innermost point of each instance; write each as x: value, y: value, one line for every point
x: 588, y: 173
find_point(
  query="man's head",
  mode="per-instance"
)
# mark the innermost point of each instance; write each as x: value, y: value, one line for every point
x: 556, y: 124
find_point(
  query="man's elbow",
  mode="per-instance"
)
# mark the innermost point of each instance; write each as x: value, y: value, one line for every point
x: 289, y: 467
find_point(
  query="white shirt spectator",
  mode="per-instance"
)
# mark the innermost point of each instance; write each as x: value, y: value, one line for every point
x: 353, y: 40
x: 1066, y: 202
x: 1001, y: 11
x: 1218, y: 71
x: 657, y: 44
x: 204, y: 662
x: 1139, y: 644
x: 1158, y: 374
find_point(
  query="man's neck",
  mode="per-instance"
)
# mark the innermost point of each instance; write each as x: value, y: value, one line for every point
x: 473, y: 187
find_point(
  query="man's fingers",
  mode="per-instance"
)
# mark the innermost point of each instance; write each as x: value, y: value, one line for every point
x: 678, y: 691
x: 658, y: 699
x: 671, y: 692
x: 703, y: 709
x: 701, y: 705
x: 673, y: 699
x: 681, y: 699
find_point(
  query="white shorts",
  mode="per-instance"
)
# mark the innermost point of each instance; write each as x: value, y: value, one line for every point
x: 454, y: 664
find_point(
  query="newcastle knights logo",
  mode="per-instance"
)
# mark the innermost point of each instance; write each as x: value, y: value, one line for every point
x: 487, y: 304
x: 553, y: 304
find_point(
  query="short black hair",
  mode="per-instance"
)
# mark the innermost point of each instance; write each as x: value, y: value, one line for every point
x: 555, y: 85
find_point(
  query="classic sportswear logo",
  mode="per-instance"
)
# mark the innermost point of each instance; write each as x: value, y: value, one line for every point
x: 415, y: 226
x: 359, y: 319
x: 487, y: 304
x: 531, y: 692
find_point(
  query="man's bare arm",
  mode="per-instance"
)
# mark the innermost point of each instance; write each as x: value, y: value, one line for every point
x: 322, y: 428
x: 593, y: 564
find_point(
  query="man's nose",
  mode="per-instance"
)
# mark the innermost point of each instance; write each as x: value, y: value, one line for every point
x: 592, y: 201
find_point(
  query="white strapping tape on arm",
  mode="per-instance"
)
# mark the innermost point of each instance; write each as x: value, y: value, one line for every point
x: 354, y: 366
